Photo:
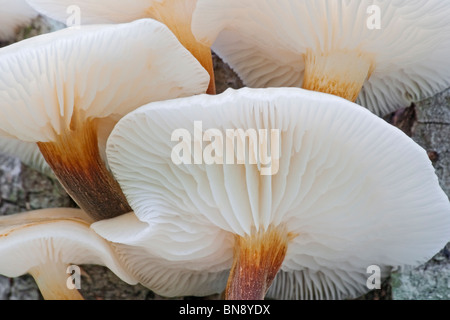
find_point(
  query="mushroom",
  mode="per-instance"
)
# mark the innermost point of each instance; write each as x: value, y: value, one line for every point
x: 14, y: 14
x: 176, y: 14
x: 341, y: 190
x: 65, y: 90
x: 45, y: 243
x: 383, y: 54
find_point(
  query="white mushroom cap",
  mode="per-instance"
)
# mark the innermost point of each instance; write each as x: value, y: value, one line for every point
x: 37, y: 240
x: 354, y: 190
x: 265, y: 42
x: 95, y: 72
x: 175, y: 14
x: 14, y: 13
x: 155, y: 256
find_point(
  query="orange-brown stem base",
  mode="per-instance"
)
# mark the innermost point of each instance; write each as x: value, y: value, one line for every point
x: 257, y: 260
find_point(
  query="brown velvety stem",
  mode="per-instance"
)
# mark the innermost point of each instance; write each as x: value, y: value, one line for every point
x: 177, y: 16
x: 340, y: 73
x: 76, y: 162
x: 257, y: 259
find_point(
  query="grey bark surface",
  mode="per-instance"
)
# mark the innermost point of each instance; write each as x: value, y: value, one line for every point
x: 23, y: 189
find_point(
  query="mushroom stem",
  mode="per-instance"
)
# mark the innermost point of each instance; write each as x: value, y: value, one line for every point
x: 75, y: 159
x: 257, y: 259
x: 341, y: 73
x: 52, y: 280
x: 177, y: 16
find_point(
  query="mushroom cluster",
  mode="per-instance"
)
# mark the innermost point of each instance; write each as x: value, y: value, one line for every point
x: 284, y: 189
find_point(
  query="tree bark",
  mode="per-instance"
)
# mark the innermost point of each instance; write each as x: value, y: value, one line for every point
x: 432, y: 132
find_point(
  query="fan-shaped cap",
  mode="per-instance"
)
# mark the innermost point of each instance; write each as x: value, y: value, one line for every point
x: 350, y: 189
x: 266, y: 42
x: 40, y: 239
x: 14, y: 13
x: 48, y: 81
x: 175, y: 14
